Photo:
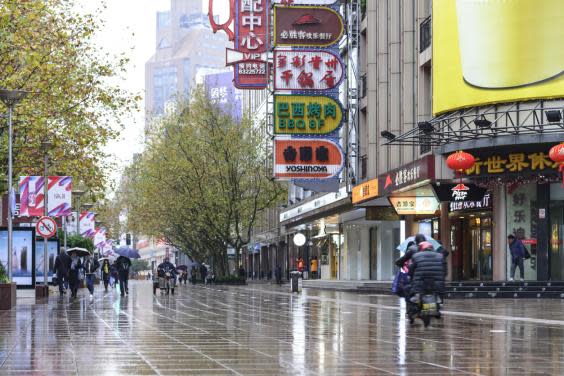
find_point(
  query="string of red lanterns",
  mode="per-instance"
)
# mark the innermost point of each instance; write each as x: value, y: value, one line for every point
x: 556, y: 153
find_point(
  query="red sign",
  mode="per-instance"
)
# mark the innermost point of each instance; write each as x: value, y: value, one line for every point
x: 307, y: 158
x: 46, y: 227
x: 406, y: 175
x: 306, y: 70
x: 306, y: 26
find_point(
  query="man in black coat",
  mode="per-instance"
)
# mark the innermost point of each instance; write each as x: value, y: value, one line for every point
x: 427, y: 270
x: 123, y: 265
x: 61, y: 268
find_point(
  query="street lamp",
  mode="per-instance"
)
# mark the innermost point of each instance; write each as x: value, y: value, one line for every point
x: 10, y: 98
x: 46, y: 146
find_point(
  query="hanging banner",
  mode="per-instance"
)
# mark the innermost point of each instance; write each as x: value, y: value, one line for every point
x: 32, y: 202
x: 87, y: 224
x: 307, y: 70
x: 99, y: 237
x: 306, y: 115
x: 306, y: 26
x: 307, y: 158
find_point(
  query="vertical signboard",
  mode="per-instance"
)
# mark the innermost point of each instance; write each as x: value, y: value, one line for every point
x: 32, y: 202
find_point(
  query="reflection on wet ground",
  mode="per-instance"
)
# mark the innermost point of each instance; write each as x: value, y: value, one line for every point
x: 265, y: 330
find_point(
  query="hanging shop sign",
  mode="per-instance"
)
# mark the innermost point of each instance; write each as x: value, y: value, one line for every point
x: 307, y: 158
x: 32, y: 202
x: 448, y: 192
x: 365, y: 191
x: 525, y: 162
x: 307, y: 70
x: 306, y: 26
x: 414, y: 205
x: 250, y: 41
x: 484, y: 203
x: 407, y: 175
x: 306, y: 115
x: 304, y: 2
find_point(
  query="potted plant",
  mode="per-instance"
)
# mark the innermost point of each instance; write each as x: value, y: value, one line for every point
x: 7, y: 290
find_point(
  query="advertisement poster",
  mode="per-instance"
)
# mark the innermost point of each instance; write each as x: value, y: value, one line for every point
x: 32, y: 202
x: 22, y: 254
x: 492, y: 51
x: 99, y: 237
x: 53, y: 251
x: 220, y: 89
x: 87, y: 224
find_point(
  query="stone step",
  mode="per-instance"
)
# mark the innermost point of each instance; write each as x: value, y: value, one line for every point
x: 504, y: 295
x: 506, y: 288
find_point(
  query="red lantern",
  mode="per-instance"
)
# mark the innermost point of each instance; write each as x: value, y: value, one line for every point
x: 460, y: 161
x: 556, y: 153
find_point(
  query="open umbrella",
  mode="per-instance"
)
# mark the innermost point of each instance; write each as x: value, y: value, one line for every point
x: 182, y: 267
x: 79, y: 251
x: 403, y: 246
x: 134, y: 254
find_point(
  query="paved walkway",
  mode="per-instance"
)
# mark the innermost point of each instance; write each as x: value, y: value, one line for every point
x: 264, y: 330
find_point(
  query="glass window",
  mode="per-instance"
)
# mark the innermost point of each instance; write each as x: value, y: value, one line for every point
x: 187, y: 77
x: 164, y: 86
x: 163, y: 19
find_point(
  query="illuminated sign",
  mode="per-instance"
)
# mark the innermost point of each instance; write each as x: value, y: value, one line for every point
x: 414, y: 205
x: 306, y: 70
x: 496, y: 162
x: 481, y: 54
x: 306, y: 158
x: 306, y: 26
x: 304, y: 2
x: 407, y: 175
x: 306, y: 115
x: 365, y: 191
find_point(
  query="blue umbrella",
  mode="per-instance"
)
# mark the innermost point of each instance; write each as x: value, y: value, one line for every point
x: 403, y: 246
x: 128, y: 252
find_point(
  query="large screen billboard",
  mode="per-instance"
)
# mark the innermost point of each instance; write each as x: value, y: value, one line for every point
x: 22, y: 254
x: 493, y: 51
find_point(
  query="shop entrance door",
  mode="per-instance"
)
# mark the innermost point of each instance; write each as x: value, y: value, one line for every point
x: 471, y: 239
x: 556, y: 254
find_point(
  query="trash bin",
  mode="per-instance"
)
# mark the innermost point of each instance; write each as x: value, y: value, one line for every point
x: 294, y: 281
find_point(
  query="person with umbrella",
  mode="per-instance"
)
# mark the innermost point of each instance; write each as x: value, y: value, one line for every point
x: 74, y: 268
x: 61, y: 268
x: 123, y: 265
x: 106, y: 272
x: 90, y: 267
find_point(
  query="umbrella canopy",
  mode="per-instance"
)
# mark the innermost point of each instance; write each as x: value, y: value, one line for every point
x: 182, y: 267
x: 79, y: 251
x: 134, y: 254
x: 128, y: 252
x: 403, y: 246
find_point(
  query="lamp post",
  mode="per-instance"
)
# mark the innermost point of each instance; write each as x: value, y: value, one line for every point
x: 46, y: 145
x: 10, y: 98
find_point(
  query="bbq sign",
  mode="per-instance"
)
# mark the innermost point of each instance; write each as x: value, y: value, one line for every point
x: 306, y: 70
x: 306, y: 115
x: 306, y: 158
x: 306, y: 26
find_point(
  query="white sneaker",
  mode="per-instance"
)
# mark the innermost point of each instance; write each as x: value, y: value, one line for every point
x: 91, y: 296
x: 510, y: 279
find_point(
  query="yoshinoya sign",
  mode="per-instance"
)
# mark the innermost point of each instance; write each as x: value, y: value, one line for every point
x: 313, y: 26
x: 407, y: 175
x: 306, y: 115
x: 306, y: 70
x: 251, y: 41
x: 307, y: 158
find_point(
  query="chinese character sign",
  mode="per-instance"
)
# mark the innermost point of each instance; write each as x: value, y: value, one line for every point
x: 306, y: 70
x: 306, y: 115
x: 304, y: 2
x: 307, y: 158
x: 219, y: 87
x: 513, y: 163
x: 32, y: 202
x: 306, y: 26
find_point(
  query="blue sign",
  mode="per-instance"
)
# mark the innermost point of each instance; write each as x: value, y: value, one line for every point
x: 220, y: 89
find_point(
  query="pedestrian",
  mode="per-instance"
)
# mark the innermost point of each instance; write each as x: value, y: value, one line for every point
x: 90, y: 266
x: 74, y: 269
x: 106, y: 273
x: 61, y: 268
x: 193, y: 274
x: 300, y: 262
x: 242, y: 274
x: 123, y: 265
x: 278, y: 274
x: 203, y: 273
x: 518, y: 253
x: 313, y: 267
x: 113, y: 274
x: 412, y: 248
x: 185, y: 276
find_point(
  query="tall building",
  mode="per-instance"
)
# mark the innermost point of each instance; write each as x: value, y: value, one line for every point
x: 185, y: 45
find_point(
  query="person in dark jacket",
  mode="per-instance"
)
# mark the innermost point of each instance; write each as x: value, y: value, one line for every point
x: 517, y: 250
x: 242, y: 273
x: 427, y: 270
x: 61, y: 268
x: 74, y: 269
x: 412, y: 248
x: 106, y: 270
x: 123, y: 265
x: 278, y: 274
x: 203, y: 273
x: 90, y: 266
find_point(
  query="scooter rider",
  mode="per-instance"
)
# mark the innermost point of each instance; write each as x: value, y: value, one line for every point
x: 427, y: 267
x: 166, y: 267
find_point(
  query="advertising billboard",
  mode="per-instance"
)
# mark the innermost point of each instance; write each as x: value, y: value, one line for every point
x: 493, y: 51
x: 52, y: 252
x: 32, y: 191
x: 219, y: 87
x: 22, y: 254
x: 307, y: 158
x: 306, y: 115
x: 306, y: 26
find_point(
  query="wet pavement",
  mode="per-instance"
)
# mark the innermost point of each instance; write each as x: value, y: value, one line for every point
x: 265, y: 330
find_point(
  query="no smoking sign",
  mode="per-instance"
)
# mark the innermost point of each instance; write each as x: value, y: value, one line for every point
x: 46, y: 227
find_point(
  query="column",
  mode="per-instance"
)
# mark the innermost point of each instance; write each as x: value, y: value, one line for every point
x: 445, y: 236
x: 499, y: 233
x: 543, y: 232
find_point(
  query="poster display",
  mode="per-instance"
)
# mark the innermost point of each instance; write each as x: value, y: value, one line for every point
x: 22, y: 254
x: 52, y: 252
x: 32, y: 203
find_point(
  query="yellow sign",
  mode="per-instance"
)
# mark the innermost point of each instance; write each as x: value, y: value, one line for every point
x: 306, y: 115
x: 365, y: 191
x: 491, y: 51
x: 415, y: 205
x: 512, y: 163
